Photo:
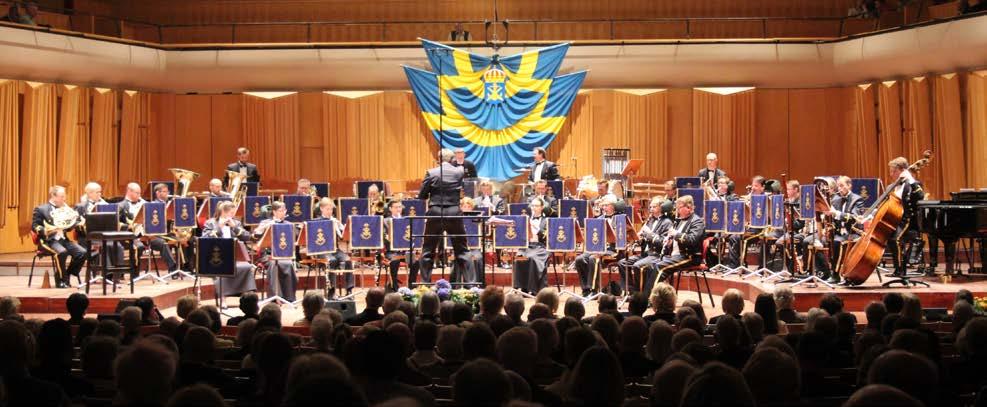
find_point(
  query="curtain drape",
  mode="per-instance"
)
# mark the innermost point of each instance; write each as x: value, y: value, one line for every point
x: 889, y: 143
x: 133, y: 137
x: 863, y: 145
x: 72, y: 170
x: 270, y: 131
x: 949, y: 157
x: 976, y: 129
x: 104, y: 147
x: 9, y: 147
x: 37, y: 147
x: 725, y: 124
x: 917, y: 121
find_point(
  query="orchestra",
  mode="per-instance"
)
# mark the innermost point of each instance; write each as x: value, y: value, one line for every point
x: 670, y: 237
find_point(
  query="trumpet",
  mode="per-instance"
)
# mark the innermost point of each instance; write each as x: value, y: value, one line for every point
x: 377, y: 205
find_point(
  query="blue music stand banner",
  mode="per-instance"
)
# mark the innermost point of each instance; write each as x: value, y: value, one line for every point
x: 561, y: 235
x: 353, y: 206
x: 715, y: 216
x: 556, y: 188
x: 577, y: 209
x: 687, y: 182
x: 251, y: 187
x: 807, y: 201
x: 736, y: 217
x: 595, y: 235
x: 320, y: 236
x: 400, y: 234
x: 513, y: 236
x: 620, y: 231
x: 216, y: 257
x: 472, y: 228
x: 777, y: 205
x: 282, y: 241
x: 867, y: 188
x: 759, y: 211
x: 299, y: 207
x: 253, y: 209
x: 518, y: 209
x: 471, y: 187
x: 413, y: 207
x: 698, y: 197
x: 106, y: 208
x: 485, y: 211
x: 321, y: 189
x: 363, y: 186
x: 213, y: 202
x: 155, y: 223
x: 184, y: 212
x: 366, y: 232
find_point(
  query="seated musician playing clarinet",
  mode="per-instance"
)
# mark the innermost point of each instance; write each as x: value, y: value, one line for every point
x: 129, y: 207
x: 684, y: 240
x: 536, y: 253
x: 488, y: 199
x: 281, y: 276
x: 395, y: 257
x: 910, y: 193
x: 651, y: 236
x: 223, y: 224
x: 87, y: 205
x: 468, y: 268
x: 845, y: 207
x: 338, y: 260
x: 586, y: 263
x: 51, y: 221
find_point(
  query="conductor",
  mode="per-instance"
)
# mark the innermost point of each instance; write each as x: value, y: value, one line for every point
x: 442, y: 187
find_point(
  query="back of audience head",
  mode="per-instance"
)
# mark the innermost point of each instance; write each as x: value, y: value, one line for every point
x: 597, y: 379
x: 773, y: 377
x: 134, y: 370
x: 375, y: 298
x: 963, y: 312
x: 148, y: 313
x: 491, y: 301
x: 312, y: 304
x: 445, y: 312
x: 196, y: 395
x: 637, y: 304
x: 428, y: 305
x: 732, y: 302
x: 754, y: 325
x: 684, y: 337
x: 911, y: 307
x: 539, y: 311
x: 130, y: 320
x: 964, y: 295
x: 550, y: 298
x: 663, y: 298
x: 659, y: 344
x: 8, y: 307
x: 911, y: 373
x: 199, y: 345
x: 249, y: 303
x: 97, y: 357
x: 684, y: 312
x: 831, y: 303
x: 548, y: 337
x: 717, y: 384
x: 108, y: 327
x: 391, y: 302
x: 215, y: 318
x: 517, y: 350
x: 461, y: 313
x: 76, y: 305
x: 607, y: 303
x: 893, y: 302
x: 881, y: 395
x: 87, y: 327
x: 315, y: 364
x: 776, y: 342
x: 54, y: 345
x: 382, y: 355
x: 577, y: 340
x: 574, y: 308
x: 514, y: 307
x: 669, y: 382
x: 784, y: 298
x: 185, y: 305
x: 449, y: 343
x: 479, y: 342
x: 482, y: 383
x: 764, y: 306
x: 633, y: 334
x: 971, y: 342
x: 875, y: 312
x: 199, y: 317
x: 608, y: 329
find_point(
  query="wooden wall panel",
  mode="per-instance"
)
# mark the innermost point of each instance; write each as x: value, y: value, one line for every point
x: 433, y: 31
x: 193, y: 136
x: 198, y: 35
x: 271, y: 33
x: 573, y: 31
x: 649, y: 30
x: 726, y: 29
x: 347, y: 32
x: 802, y: 28
x: 682, y: 159
x: 226, y: 133
x: 140, y: 32
x: 772, y: 123
x: 55, y: 20
x: 162, y: 136
x: 945, y: 10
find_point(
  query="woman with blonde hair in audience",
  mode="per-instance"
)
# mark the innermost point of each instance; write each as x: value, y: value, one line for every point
x: 663, y: 301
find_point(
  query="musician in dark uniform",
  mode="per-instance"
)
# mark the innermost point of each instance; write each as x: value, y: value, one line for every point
x: 738, y: 243
x: 54, y: 240
x: 469, y: 267
x: 130, y: 206
x: 542, y: 169
x: 541, y: 192
x: 651, y: 236
x: 281, y: 276
x: 845, y: 207
x: 395, y: 257
x: 585, y: 263
x: 910, y: 193
x: 243, y: 166
x: 725, y: 189
x: 684, y: 240
x: 442, y: 187
x: 216, y: 189
x: 711, y: 173
x: 87, y: 205
x: 469, y: 169
x: 487, y: 199
x: 223, y: 224
x: 536, y: 276
x: 338, y: 260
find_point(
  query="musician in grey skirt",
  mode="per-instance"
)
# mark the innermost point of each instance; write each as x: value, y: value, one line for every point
x: 224, y: 225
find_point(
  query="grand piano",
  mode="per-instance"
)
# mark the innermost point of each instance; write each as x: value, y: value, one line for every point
x: 962, y: 217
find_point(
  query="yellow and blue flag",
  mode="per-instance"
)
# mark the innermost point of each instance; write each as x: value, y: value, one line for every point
x: 496, y: 109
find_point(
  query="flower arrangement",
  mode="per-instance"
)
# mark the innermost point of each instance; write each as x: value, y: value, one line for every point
x: 980, y: 305
x: 444, y: 290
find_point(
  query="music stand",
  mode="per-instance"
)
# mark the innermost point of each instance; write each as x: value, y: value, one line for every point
x: 266, y: 243
x: 807, y: 212
x: 630, y: 170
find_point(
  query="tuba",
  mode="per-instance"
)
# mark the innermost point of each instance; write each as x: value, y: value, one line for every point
x: 236, y: 187
x: 183, y: 180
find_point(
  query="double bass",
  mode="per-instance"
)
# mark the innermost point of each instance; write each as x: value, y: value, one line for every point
x: 886, y: 215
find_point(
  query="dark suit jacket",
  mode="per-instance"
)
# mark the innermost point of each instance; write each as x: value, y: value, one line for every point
x: 852, y: 204
x: 911, y: 194
x: 704, y: 175
x: 42, y: 215
x: 252, y: 174
x: 550, y: 204
x: 549, y: 172
x: 542, y: 227
x: 468, y: 167
x: 691, y: 239
x: 442, y: 188
x: 497, y: 204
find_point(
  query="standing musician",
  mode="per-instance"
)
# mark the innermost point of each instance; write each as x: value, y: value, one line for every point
x: 711, y: 173
x: 223, y: 224
x: 216, y: 189
x: 488, y: 199
x: 338, y: 260
x: 684, y: 240
x: 651, y: 236
x: 51, y: 235
x: 536, y: 253
x: 845, y: 207
x: 469, y: 267
x: 910, y: 193
x: 281, y: 277
x: 469, y: 169
x: 243, y: 166
x: 542, y: 169
x: 129, y: 207
x: 442, y: 187
x: 394, y: 258
x: 586, y: 263
x: 541, y: 192
x: 87, y: 205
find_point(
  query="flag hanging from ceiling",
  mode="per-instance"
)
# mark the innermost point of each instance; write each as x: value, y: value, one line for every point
x: 496, y: 109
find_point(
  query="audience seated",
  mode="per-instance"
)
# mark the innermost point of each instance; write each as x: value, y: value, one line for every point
x: 785, y: 301
x: 732, y: 305
x: 663, y: 301
x: 248, y: 305
x: 76, y: 304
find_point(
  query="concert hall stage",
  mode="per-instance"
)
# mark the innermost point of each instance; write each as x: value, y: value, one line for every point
x: 14, y: 275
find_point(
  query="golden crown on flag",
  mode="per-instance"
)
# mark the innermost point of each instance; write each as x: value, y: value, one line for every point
x: 494, y: 75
